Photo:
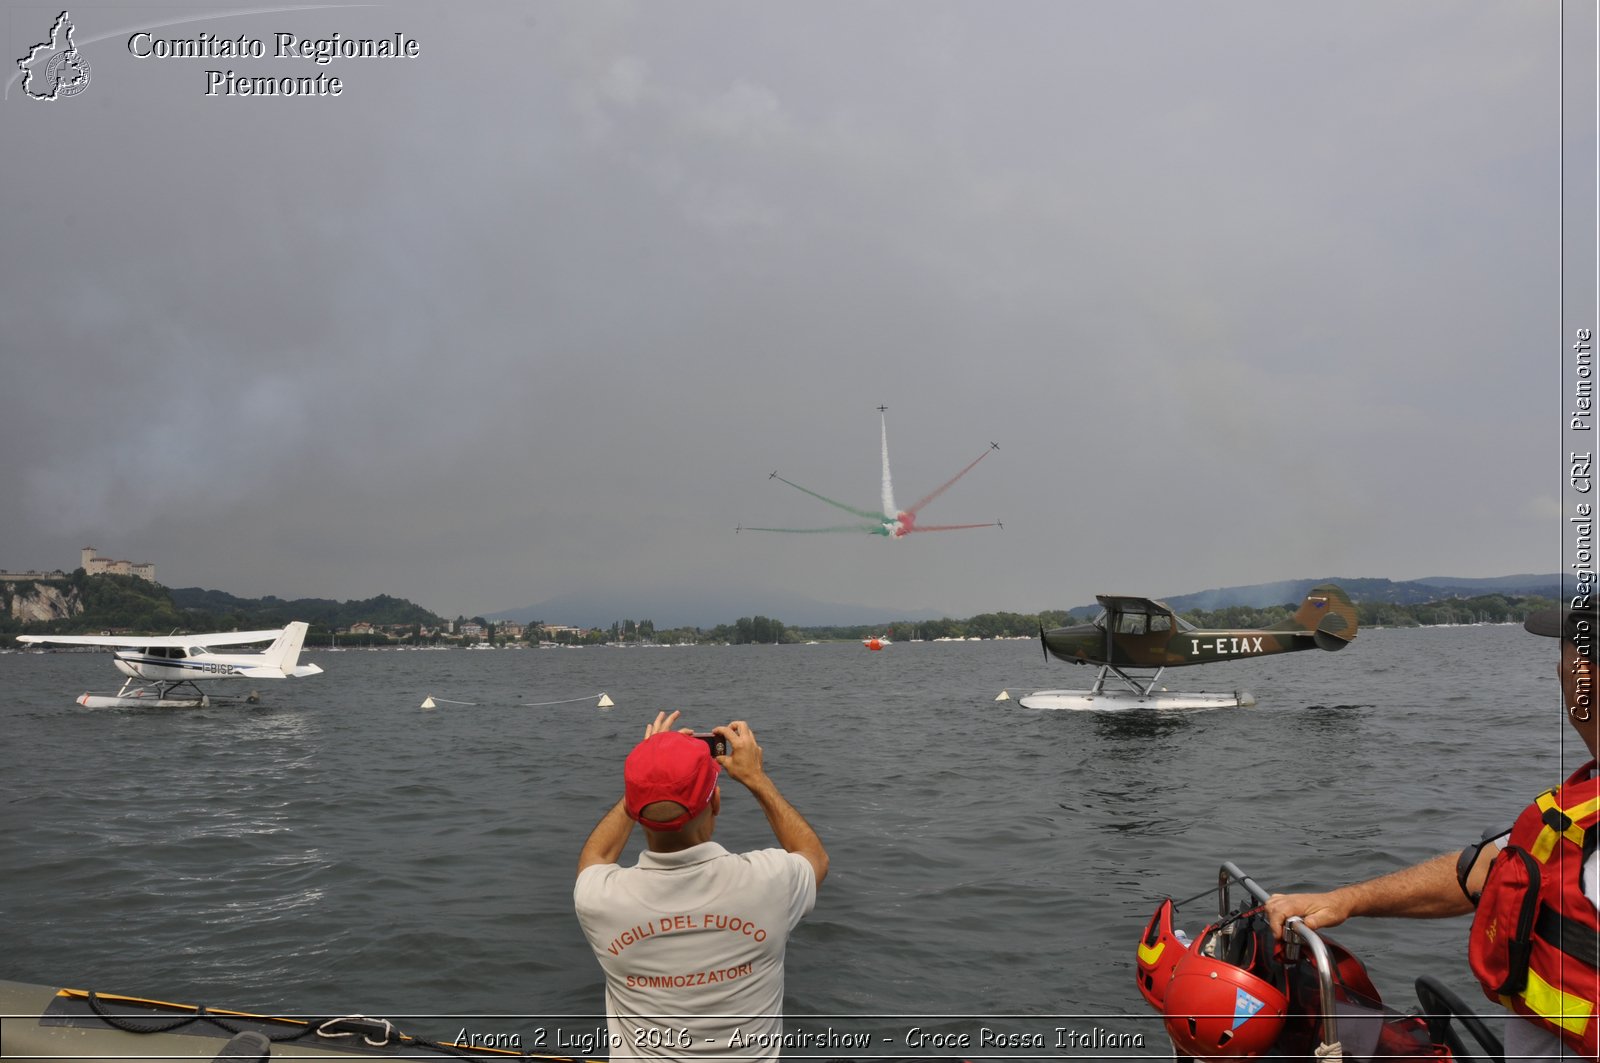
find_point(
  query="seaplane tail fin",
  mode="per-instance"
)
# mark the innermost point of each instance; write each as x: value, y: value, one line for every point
x: 284, y: 653
x: 1328, y: 614
x: 281, y: 660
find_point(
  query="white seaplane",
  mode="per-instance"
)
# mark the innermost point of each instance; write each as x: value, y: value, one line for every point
x: 163, y: 671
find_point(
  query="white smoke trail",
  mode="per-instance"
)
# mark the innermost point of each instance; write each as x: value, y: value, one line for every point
x: 889, y: 509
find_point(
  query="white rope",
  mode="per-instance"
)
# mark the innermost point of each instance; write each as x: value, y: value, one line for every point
x: 568, y: 701
x: 388, y: 1029
x: 603, y: 702
x: 1334, y: 1052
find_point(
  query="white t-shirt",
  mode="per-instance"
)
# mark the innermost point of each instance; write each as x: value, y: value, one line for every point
x: 692, y: 947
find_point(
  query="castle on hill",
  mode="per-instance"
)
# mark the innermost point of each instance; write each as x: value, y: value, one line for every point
x: 100, y: 566
x: 94, y: 566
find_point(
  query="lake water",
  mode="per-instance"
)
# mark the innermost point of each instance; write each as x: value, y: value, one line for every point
x: 338, y: 849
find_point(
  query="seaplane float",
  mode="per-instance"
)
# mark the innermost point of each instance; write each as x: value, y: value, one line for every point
x: 164, y: 671
x: 1233, y: 991
x: 1133, y: 641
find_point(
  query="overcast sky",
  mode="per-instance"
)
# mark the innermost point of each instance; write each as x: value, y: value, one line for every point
x: 1245, y: 291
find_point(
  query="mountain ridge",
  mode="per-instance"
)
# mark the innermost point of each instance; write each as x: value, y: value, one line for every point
x: 1371, y: 589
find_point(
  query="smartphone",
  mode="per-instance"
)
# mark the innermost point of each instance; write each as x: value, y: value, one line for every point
x: 716, y: 743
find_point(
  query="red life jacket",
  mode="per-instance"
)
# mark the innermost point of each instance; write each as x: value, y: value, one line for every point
x: 1535, y: 944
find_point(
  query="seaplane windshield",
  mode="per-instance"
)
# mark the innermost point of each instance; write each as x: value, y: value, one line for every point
x: 1131, y: 623
x: 1136, y: 623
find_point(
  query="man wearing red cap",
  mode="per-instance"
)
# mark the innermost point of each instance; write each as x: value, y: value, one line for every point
x: 691, y: 939
x: 1534, y: 889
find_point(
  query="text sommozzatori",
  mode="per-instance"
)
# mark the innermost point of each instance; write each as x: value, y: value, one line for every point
x: 320, y: 50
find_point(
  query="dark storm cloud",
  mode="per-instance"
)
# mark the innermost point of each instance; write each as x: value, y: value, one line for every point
x: 539, y: 310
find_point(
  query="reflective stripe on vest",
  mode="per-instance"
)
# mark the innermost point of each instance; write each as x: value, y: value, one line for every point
x: 1560, y: 823
x: 1565, y: 1010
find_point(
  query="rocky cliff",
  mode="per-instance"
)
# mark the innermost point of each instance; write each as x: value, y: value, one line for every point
x: 35, y: 601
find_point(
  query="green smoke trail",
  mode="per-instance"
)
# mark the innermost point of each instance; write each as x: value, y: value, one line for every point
x: 871, y: 529
x: 840, y: 505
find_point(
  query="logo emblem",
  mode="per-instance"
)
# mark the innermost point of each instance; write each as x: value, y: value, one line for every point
x: 1245, y: 1007
x: 55, y: 69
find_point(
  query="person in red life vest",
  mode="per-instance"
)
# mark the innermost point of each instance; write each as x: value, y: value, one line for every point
x: 1534, y: 889
x: 692, y: 938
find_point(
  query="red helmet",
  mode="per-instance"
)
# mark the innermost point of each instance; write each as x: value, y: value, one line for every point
x: 1159, y: 951
x: 1216, y: 1009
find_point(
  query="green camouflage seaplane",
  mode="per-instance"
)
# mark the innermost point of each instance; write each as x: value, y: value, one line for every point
x: 1143, y: 634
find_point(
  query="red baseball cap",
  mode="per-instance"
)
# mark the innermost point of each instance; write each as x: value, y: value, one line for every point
x: 670, y: 766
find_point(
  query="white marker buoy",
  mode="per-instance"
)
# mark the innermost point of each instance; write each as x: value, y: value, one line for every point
x: 604, y: 702
x: 1003, y: 696
x: 432, y: 703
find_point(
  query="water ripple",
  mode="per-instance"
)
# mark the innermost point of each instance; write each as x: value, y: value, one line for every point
x: 336, y: 848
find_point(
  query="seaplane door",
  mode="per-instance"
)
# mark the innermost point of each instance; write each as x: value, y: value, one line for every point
x: 1136, y: 638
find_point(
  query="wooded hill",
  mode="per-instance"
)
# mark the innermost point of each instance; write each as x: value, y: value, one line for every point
x: 125, y: 604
